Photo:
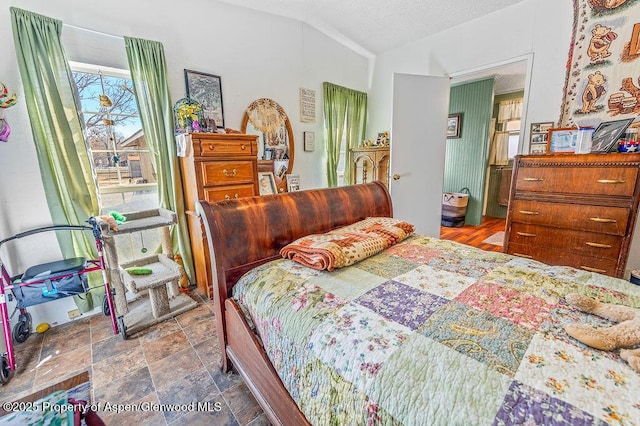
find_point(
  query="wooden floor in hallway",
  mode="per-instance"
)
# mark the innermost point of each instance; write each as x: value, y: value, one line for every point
x: 475, y: 235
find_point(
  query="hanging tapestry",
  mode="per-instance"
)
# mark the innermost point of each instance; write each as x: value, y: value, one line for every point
x: 603, y: 69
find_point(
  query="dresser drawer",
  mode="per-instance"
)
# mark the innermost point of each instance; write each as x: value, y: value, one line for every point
x: 227, y: 172
x: 227, y: 148
x: 563, y: 258
x: 576, y: 242
x: 228, y: 192
x: 608, y: 220
x: 618, y: 181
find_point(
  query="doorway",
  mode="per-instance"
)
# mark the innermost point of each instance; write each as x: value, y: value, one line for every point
x: 467, y: 164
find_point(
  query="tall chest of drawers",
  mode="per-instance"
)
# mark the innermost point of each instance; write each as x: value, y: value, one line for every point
x: 216, y: 167
x: 574, y: 210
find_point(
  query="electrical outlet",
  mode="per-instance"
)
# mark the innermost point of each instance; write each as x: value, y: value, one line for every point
x: 74, y: 313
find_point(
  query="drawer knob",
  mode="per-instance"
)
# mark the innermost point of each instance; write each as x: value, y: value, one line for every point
x: 610, y: 181
x: 590, y: 269
x: 530, y: 213
x: 526, y: 256
x: 243, y: 147
x: 231, y: 173
x: 597, y: 245
x: 525, y: 234
x: 228, y: 197
x: 211, y: 146
x: 602, y: 220
x: 533, y: 179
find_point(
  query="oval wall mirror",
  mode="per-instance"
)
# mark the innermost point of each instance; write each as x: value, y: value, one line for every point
x: 267, y: 119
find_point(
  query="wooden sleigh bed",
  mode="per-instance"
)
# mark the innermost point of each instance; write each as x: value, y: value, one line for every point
x: 244, y: 234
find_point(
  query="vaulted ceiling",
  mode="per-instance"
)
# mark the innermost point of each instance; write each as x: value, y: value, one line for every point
x: 371, y: 27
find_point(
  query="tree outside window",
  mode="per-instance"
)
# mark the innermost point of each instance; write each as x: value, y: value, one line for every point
x: 123, y: 169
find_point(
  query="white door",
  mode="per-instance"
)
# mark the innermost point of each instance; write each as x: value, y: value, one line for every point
x: 418, y: 143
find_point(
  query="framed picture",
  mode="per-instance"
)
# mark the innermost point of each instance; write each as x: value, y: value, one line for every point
x: 267, y: 183
x: 309, y: 141
x: 206, y: 89
x: 454, y: 124
x: 538, y: 135
x: 293, y: 183
x: 562, y: 139
x: 607, y: 134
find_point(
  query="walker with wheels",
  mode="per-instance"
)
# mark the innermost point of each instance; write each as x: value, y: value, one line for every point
x: 44, y: 283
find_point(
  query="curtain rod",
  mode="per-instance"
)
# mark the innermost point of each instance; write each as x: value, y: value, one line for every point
x: 92, y: 31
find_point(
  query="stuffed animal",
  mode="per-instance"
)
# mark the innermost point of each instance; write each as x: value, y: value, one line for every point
x: 625, y: 334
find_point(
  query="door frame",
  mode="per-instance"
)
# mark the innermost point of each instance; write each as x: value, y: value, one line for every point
x: 484, y: 71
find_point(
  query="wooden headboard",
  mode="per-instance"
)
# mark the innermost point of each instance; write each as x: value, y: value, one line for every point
x: 247, y: 232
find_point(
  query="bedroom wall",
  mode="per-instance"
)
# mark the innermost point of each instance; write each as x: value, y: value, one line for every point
x: 256, y: 54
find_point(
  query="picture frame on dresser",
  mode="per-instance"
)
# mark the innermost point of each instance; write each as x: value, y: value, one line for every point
x: 267, y: 183
x: 562, y: 140
x: 538, y: 137
x: 207, y: 90
x: 607, y: 133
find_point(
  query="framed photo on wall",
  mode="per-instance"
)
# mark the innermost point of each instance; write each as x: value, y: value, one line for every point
x: 206, y: 89
x: 454, y: 124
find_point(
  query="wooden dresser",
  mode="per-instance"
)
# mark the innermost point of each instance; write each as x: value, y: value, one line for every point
x: 216, y: 167
x: 574, y: 210
x: 369, y: 164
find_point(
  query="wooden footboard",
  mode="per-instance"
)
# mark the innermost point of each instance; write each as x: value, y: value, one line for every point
x: 247, y: 232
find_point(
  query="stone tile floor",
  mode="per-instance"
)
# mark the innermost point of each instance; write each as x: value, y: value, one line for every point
x: 173, y: 362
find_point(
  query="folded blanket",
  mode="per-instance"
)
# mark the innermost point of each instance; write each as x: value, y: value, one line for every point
x: 348, y: 245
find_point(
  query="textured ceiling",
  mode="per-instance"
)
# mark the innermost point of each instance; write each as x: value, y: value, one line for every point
x: 374, y: 26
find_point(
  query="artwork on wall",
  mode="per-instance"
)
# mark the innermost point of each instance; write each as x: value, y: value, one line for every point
x: 604, y: 58
x: 206, y: 89
x: 454, y: 123
x: 307, y: 105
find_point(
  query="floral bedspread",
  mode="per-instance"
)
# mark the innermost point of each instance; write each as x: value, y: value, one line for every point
x: 434, y: 332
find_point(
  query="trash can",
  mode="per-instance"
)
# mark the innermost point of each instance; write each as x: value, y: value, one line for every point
x: 454, y: 208
x: 635, y: 277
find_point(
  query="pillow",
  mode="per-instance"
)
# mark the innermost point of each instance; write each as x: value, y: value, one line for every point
x: 347, y: 245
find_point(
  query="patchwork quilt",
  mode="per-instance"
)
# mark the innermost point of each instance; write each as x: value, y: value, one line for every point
x: 434, y: 332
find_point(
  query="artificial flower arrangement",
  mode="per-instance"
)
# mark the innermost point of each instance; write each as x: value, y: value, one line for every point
x: 188, y: 115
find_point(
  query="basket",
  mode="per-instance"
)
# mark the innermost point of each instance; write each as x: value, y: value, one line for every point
x: 454, y: 208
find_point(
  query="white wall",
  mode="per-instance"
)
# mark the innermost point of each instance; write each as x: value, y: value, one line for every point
x: 256, y: 54
x: 540, y: 27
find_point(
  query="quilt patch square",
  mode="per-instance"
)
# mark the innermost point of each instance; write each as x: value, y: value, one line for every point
x: 521, y: 308
x: 442, y: 283
x: 496, y: 342
x: 386, y: 266
x: 525, y: 405
x: 356, y: 342
x: 401, y: 303
x: 553, y: 367
x: 348, y: 283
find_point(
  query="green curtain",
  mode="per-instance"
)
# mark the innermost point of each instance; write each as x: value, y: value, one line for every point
x: 149, y: 74
x: 345, y: 110
x: 60, y: 146
x: 355, y: 125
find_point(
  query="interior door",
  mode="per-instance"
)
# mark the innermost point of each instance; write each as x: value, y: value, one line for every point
x: 418, y: 143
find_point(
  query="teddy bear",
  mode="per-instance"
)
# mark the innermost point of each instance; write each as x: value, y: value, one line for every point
x: 625, y: 334
x: 592, y: 92
x: 600, y: 42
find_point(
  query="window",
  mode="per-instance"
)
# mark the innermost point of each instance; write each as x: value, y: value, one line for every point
x: 122, y: 166
x: 513, y: 127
